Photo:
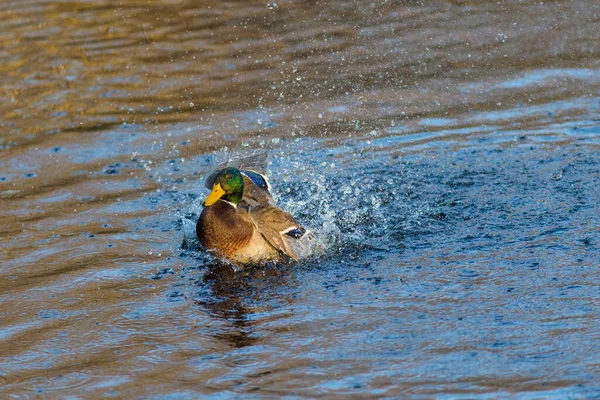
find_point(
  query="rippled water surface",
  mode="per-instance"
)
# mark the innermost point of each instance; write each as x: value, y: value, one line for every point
x: 446, y: 153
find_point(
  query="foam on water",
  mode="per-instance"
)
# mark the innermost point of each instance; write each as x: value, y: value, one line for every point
x: 348, y: 204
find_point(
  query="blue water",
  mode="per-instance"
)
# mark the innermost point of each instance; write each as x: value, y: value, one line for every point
x: 445, y: 154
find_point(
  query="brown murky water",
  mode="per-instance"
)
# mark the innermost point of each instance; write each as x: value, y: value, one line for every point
x: 446, y: 153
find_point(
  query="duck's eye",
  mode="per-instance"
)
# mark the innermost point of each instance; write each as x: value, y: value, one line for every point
x: 229, y: 177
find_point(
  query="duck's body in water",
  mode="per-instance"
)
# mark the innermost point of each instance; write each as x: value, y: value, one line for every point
x: 241, y: 223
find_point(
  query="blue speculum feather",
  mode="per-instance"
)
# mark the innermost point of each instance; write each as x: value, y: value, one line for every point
x: 257, y: 178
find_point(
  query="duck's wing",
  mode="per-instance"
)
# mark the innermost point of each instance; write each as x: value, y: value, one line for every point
x: 283, y: 232
x: 256, y: 162
x: 256, y: 192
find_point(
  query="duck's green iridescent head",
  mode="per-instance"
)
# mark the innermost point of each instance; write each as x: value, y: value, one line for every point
x: 229, y: 186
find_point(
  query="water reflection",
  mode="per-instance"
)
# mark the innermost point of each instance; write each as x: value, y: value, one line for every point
x: 244, y: 299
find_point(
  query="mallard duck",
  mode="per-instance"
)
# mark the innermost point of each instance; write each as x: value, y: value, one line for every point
x: 240, y: 221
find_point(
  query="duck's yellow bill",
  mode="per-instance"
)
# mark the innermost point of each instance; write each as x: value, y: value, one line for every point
x: 215, y: 195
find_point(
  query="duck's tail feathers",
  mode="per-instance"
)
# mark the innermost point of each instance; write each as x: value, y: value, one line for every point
x: 305, y: 246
